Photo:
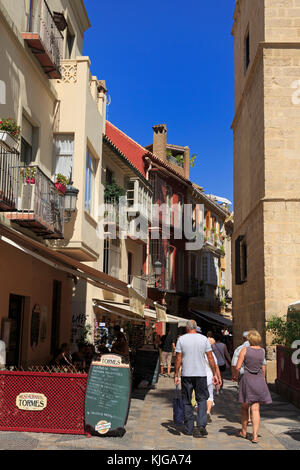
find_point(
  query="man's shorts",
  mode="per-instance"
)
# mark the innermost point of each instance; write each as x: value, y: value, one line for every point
x: 166, y: 358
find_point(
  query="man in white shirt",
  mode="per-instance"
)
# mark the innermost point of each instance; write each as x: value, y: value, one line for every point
x: 2, y: 354
x: 191, y: 349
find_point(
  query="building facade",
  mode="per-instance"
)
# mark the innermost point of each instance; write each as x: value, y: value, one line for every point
x: 47, y: 87
x: 266, y: 169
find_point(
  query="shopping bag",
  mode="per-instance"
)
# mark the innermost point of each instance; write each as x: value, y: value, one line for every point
x: 178, y: 414
x: 194, y: 403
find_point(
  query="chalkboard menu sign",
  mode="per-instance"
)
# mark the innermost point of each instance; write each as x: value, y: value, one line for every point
x: 146, y: 366
x: 107, y: 397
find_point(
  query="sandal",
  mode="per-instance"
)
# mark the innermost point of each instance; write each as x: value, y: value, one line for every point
x: 239, y: 434
x: 254, y: 441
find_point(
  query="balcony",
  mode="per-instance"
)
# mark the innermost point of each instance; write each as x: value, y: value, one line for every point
x: 139, y: 284
x: 44, y: 39
x: 40, y: 207
x: 9, y: 176
x: 114, y: 216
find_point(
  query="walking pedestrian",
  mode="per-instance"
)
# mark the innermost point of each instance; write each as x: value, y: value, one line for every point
x: 234, y: 361
x: 210, y: 385
x: 253, y: 387
x: 222, y: 356
x: 191, y: 349
x: 168, y: 347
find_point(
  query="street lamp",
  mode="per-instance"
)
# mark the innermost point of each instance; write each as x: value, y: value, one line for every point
x: 70, y: 201
x: 158, y: 268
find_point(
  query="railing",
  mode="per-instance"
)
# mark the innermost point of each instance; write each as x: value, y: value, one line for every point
x: 197, y: 288
x: 139, y: 284
x: 9, y: 175
x: 42, y: 23
x: 38, y: 196
x: 62, y: 398
x: 114, y: 213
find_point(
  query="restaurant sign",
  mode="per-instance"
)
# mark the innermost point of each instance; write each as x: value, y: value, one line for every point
x: 31, y: 401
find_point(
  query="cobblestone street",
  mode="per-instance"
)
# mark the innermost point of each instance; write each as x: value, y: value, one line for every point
x: 150, y: 427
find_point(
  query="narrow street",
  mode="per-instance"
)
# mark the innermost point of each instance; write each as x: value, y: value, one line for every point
x: 150, y: 427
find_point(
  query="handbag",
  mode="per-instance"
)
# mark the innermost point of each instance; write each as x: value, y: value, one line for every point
x: 178, y: 413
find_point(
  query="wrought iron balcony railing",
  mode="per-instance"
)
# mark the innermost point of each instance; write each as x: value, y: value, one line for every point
x: 9, y: 175
x: 40, y: 207
x: 139, y: 284
x: 44, y: 38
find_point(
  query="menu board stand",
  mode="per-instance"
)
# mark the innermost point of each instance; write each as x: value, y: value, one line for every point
x: 108, y: 396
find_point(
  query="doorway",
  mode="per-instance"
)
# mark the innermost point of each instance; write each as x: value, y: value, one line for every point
x: 15, y: 316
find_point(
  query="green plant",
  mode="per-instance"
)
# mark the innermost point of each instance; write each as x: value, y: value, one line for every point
x: 179, y: 158
x: 85, y: 336
x: 169, y: 153
x: 285, y: 331
x: 222, y: 249
x: 192, y: 160
x: 9, y: 125
x: 62, y: 179
x: 28, y: 172
x: 113, y: 191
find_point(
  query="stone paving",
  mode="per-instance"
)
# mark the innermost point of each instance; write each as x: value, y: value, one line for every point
x: 150, y: 427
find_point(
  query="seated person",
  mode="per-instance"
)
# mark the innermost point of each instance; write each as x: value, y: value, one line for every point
x: 63, y: 357
x: 78, y: 357
x: 120, y: 345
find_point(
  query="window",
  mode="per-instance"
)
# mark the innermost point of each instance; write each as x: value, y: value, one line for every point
x: 129, y: 266
x: 89, y: 184
x: 111, y: 257
x: 247, y: 51
x: 138, y: 197
x: 63, y: 155
x: 27, y: 132
x: 108, y: 176
x: 180, y: 209
x: 194, y: 217
x: 169, y: 204
x: 26, y: 152
x: 106, y: 256
x: 70, y: 43
x: 169, y: 267
x: 180, y: 271
x: 240, y: 260
x: 130, y: 193
x: 204, y: 268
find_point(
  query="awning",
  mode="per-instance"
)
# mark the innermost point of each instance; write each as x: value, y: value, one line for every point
x: 119, y: 309
x: 213, y: 318
x: 169, y: 318
x: 63, y: 262
x: 124, y: 311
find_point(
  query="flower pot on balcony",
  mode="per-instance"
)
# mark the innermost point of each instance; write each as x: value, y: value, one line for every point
x: 61, y: 188
x: 8, y: 141
x: 30, y: 180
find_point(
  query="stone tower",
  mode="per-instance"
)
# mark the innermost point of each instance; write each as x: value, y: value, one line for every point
x: 266, y: 128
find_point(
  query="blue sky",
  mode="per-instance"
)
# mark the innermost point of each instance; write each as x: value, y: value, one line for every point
x: 170, y: 62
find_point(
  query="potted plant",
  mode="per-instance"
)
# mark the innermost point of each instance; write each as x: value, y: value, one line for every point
x: 28, y: 173
x: 9, y: 133
x: 113, y: 192
x: 61, y: 183
x: 179, y: 159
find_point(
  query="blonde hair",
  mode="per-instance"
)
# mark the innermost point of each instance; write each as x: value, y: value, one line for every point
x: 254, y: 338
